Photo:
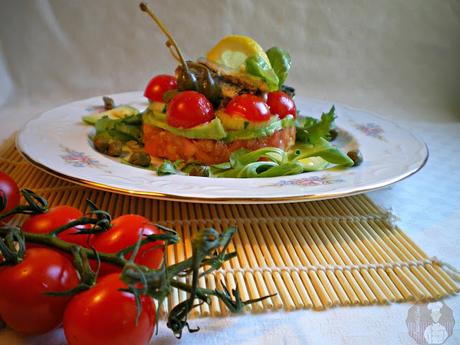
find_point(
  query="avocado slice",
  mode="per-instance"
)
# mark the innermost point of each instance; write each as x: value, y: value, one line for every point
x: 215, y: 130
x: 159, y: 107
x: 211, y: 130
x: 114, y: 114
x: 235, y: 122
x: 253, y: 133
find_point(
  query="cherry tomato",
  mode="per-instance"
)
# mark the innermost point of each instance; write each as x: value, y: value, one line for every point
x: 125, y: 232
x: 281, y: 104
x: 9, y: 190
x: 158, y: 85
x: 106, y: 315
x: 55, y: 217
x: 189, y: 109
x: 24, y: 305
x: 248, y: 106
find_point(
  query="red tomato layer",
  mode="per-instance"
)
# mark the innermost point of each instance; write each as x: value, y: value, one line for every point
x: 163, y: 144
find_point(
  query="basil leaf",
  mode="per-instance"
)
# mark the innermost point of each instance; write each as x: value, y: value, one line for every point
x: 281, y: 63
x: 257, y: 66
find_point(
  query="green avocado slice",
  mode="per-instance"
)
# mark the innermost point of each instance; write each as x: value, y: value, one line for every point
x: 211, y: 130
x: 266, y: 131
x: 214, y: 129
x: 113, y: 114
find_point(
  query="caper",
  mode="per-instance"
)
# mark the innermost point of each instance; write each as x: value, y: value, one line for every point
x: 207, y: 85
x: 333, y: 134
x: 356, y: 157
x: 186, y: 80
x: 169, y: 95
x: 198, y: 77
x: 290, y: 91
x: 115, y: 148
x: 101, y: 143
x: 109, y: 103
x: 199, y: 170
x: 140, y: 158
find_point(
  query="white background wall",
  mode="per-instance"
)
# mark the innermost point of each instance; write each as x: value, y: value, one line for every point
x: 399, y: 58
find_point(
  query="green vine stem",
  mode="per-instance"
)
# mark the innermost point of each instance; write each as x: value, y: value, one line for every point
x: 171, y: 42
x: 208, y: 248
x: 35, y: 204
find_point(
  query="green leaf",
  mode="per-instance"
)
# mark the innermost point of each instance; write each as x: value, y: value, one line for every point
x: 325, y: 150
x: 258, y: 67
x: 311, y: 130
x: 281, y: 63
x: 125, y: 129
x: 168, y: 168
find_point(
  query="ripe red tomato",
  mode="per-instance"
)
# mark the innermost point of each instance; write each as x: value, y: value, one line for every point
x: 55, y: 217
x: 125, y: 232
x: 8, y: 189
x: 158, y: 85
x: 281, y: 104
x: 248, y: 106
x: 189, y: 109
x: 24, y: 306
x: 106, y: 315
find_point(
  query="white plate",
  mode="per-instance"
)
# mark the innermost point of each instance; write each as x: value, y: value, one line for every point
x: 57, y: 142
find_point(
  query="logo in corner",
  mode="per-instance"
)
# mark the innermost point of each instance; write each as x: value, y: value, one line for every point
x: 430, y: 324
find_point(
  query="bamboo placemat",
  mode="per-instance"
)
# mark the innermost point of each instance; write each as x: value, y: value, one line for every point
x: 312, y: 255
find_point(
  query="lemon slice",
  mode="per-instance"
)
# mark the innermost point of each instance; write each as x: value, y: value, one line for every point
x: 232, y: 51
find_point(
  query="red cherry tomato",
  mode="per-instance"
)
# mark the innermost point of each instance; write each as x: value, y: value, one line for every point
x: 24, y: 305
x: 189, y: 109
x: 125, y: 232
x: 9, y: 190
x: 281, y: 104
x: 56, y: 217
x: 106, y: 315
x: 250, y: 107
x: 158, y: 85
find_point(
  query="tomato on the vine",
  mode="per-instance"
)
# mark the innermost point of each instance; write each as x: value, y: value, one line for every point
x: 24, y: 305
x: 281, y: 104
x: 188, y: 109
x: 248, y: 106
x: 124, y: 232
x: 158, y: 85
x: 106, y: 315
x: 54, y: 218
x: 9, y: 194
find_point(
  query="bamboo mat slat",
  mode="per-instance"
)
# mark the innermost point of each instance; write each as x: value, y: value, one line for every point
x: 312, y: 255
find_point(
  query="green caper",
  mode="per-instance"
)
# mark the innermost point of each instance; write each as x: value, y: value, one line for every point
x: 198, y: 77
x: 207, y: 85
x: 115, y: 148
x: 140, y: 158
x: 101, y: 143
x: 356, y: 157
x: 199, y: 170
x: 109, y: 103
x: 169, y: 95
x: 333, y: 134
x: 186, y: 80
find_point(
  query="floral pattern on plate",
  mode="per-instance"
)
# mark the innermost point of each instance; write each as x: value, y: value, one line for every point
x: 79, y: 159
x: 308, y: 181
x: 371, y: 129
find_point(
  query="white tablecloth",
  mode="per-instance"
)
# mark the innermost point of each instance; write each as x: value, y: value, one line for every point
x: 399, y: 59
